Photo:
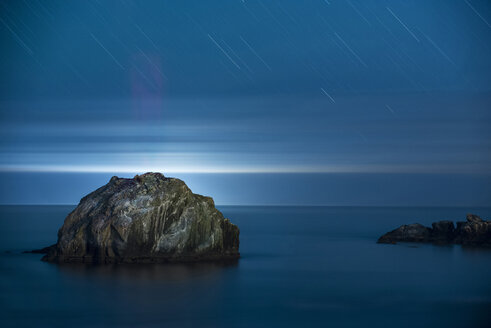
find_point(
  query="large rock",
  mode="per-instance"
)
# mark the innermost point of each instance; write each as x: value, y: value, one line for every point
x: 474, y: 232
x: 149, y: 218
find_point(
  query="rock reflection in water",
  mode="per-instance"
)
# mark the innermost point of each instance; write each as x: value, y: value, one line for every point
x: 170, y: 272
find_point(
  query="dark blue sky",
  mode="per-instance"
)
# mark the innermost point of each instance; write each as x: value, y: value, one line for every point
x: 342, y: 88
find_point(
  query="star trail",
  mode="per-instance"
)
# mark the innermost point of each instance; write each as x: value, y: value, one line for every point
x: 246, y: 86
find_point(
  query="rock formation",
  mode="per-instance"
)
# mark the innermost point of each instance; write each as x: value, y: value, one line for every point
x: 474, y: 232
x: 149, y: 218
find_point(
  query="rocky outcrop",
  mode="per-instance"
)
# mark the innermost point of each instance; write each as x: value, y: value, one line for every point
x: 411, y: 232
x: 149, y: 218
x: 474, y: 232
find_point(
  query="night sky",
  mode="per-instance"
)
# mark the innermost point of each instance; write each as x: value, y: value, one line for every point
x: 251, y: 102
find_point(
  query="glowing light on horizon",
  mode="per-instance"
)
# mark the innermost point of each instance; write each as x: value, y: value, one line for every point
x: 380, y: 169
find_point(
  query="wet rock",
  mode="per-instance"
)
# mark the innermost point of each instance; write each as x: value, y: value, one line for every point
x: 149, y: 218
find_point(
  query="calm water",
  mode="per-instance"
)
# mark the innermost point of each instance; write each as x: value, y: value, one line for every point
x: 300, y: 266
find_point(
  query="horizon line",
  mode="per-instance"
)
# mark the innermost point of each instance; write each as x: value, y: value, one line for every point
x: 323, y: 169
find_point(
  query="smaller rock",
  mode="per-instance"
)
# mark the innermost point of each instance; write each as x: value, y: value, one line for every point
x: 44, y: 250
x: 474, y: 232
x: 473, y: 218
x: 409, y: 233
x: 443, y: 231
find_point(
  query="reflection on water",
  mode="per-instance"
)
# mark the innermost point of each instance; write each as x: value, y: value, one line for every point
x: 477, y: 250
x: 167, y: 272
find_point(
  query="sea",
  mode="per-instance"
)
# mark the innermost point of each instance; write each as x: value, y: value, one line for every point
x: 299, y: 267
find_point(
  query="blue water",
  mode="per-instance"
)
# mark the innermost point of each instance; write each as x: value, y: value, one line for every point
x: 300, y: 267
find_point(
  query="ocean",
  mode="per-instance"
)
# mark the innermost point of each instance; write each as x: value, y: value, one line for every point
x: 300, y: 267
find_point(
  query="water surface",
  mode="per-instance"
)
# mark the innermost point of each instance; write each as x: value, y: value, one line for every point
x: 300, y: 267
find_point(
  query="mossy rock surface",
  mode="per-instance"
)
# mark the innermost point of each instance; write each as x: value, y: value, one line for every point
x: 149, y: 218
